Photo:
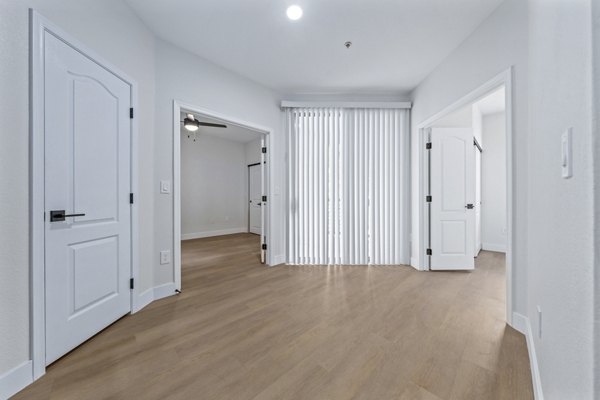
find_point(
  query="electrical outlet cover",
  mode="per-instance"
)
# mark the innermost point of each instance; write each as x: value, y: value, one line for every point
x: 165, y: 257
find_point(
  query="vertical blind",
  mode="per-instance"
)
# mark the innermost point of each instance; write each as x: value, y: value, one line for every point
x: 348, y: 175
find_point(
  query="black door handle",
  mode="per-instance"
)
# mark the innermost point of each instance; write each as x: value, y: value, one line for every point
x: 59, y: 215
x: 469, y: 206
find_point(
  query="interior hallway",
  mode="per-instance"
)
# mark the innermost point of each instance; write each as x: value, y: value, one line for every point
x: 241, y: 330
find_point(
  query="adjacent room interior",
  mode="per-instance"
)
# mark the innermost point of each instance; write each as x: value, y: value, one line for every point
x: 222, y: 184
x: 309, y: 200
x: 466, y: 179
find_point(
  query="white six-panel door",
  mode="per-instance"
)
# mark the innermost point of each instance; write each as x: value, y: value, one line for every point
x: 452, y: 180
x: 87, y: 171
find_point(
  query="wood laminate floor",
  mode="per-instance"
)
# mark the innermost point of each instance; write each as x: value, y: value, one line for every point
x: 243, y: 331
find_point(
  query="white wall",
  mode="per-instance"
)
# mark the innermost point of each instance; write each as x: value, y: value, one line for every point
x: 253, y: 152
x: 493, y: 186
x: 214, y: 178
x: 596, y: 156
x: 561, y: 242
x: 195, y: 81
x: 87, y: 21
x: 500, y: 42
x: 477, y: 121
x: 548, y: 44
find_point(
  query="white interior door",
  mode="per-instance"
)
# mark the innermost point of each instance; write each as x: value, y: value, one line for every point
x: 255, y: 199
x: 87, y: 172
x: 477, y: 200
x: 263, y: 175
x: 452, y: 221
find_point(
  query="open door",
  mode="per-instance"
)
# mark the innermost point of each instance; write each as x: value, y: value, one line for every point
x: 263, y: 241
x: 452, y: 206
x: 477, y: 149
x: 255, y: 203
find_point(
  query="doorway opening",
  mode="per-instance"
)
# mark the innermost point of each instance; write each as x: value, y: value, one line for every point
x: 221, y: 187
x: 466, y: 185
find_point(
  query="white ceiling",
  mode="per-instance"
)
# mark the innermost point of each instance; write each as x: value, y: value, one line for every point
x: 396, y: 43
x: 232, y: 132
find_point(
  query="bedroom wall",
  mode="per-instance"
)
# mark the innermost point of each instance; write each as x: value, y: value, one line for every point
x: 213, y: 187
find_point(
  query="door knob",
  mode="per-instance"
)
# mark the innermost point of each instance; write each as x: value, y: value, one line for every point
x: 59, y: 215
x: 469, y: 206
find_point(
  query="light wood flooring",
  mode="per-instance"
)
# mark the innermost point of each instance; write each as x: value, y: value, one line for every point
x: 241, y: 331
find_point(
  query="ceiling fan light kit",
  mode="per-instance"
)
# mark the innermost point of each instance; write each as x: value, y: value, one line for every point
x: 191, y: 124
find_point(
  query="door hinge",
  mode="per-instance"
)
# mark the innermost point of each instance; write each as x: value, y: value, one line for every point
x: 428, y: 199
x: 131, y: 283
x: 264, y: 149
x: 264, y: 198
x: 428, y: 146
x: 131, y: 113
x: 130, y: 198
x: 429, y: 252
x: 264, y: 246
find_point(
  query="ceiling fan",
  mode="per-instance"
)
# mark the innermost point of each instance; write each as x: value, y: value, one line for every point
x: 192, y: 124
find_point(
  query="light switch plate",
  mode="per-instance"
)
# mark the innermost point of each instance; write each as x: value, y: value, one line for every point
x: 566, y: 149
x: 165, y: 187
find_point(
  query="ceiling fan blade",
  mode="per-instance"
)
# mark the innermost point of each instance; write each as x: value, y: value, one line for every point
x: 212, y: 125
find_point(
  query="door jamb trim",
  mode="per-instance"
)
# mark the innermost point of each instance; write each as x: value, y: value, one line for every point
x: 38, y: 26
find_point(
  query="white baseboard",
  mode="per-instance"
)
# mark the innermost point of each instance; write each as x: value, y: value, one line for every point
x: 501, y: 248
x: 15, y: 380
x: 165, y: 290
x: 522, y: 324
x: 278, y: 259
x: 144, y: 298
x: 221, y: 232
x: 415, y: 264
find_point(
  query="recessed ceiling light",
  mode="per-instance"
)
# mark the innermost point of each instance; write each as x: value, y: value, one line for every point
x: 294, y: 12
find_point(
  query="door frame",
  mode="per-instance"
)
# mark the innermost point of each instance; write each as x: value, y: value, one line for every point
x: 232, y: 120
x: 248, y: 191
x: 39, y: 25
x: 505, y: 79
